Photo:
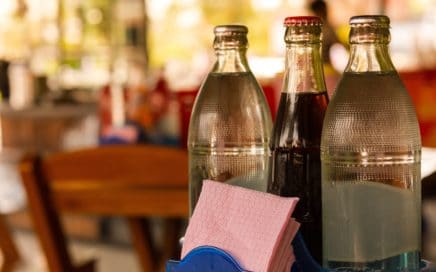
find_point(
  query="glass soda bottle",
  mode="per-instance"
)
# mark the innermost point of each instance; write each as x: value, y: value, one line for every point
x: 371, y: 153
x: 296, y: 164
x: 230, y: 126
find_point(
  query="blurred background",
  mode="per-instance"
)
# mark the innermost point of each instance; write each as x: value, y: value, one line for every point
x: 77, y: 73
x: 152, y: 55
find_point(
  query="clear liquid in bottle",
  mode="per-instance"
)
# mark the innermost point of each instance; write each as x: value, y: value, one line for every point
x: 229, y: 139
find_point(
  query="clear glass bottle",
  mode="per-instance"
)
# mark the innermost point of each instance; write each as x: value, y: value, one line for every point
x: 296, y: 165
x: 371, y: 153
x: 230, y: 126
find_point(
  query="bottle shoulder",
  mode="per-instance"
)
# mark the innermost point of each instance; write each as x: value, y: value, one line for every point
x: 230, y: 107
x: 372, y: 111
x: 231, y: 98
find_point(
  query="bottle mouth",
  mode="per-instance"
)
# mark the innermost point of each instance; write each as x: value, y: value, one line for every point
x: 230, y: 37
x: 370, y: 21
x: 229, y: 30
x: 369, y: 29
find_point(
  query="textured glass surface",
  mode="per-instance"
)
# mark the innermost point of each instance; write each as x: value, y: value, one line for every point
x: 371, y: 112
x: 229, y: 133
x: 370, y: 152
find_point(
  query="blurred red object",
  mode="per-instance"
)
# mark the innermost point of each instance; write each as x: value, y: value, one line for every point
x: 422, y: 88
x: 159, y: 99
x: 105, y: 107
x: 271, y: 89
x: 138, y: 107
x: 186, y: 99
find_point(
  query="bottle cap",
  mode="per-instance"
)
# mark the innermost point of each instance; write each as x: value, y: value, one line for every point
x: 302, y: 21
x: 303, y: 29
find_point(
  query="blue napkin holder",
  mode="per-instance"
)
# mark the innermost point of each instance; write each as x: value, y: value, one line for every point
x: 205, y: 259
x: 212, y: 259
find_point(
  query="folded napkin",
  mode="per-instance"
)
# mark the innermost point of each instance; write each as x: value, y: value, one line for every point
x: 255, y: 228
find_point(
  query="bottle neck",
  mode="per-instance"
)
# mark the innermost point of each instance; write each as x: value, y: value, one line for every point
x: 369, y: 51
x: 304, y: 70
x: 369, y: 57
x: 231, y: 60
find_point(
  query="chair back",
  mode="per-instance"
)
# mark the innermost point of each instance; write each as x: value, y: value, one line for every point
x: 135, y: 181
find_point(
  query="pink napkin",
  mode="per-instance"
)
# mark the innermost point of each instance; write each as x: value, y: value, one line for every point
x: 255, y: 228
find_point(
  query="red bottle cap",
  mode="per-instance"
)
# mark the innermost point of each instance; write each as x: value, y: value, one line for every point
x: 302, y: 21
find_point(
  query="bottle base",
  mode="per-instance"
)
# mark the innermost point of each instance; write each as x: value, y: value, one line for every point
x: 406, y: 262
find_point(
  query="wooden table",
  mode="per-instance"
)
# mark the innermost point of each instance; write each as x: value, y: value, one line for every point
x: 43, y: 129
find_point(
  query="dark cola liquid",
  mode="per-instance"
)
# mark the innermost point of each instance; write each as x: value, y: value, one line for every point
x: 296, y: 165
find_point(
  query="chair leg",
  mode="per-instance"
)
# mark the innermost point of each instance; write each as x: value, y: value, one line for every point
x: 86, y: 267
x: 172, y: 234
x: 142, y: 242
x: 171, y: 243
x: 7, y: 246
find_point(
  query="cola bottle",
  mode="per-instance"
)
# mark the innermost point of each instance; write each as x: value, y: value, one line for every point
x: 296, y: 165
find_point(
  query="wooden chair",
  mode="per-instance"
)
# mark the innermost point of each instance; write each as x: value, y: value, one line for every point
x: 131, y: 181
x: 7, y: 246
x: 10, y: 256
